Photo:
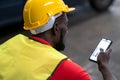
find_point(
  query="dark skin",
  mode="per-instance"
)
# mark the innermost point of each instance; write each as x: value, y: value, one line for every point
x: 103, y: 60
x: 56, y: 35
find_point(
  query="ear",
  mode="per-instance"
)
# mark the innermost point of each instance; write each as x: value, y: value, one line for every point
x: 56, y: 29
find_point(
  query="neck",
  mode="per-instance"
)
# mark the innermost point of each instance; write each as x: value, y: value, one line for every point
x: 46, y: 37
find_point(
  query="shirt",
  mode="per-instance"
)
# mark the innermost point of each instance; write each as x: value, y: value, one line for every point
x: 67, y: 69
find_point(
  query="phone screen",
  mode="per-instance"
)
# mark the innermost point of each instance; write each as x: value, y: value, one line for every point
x: 104, y: 44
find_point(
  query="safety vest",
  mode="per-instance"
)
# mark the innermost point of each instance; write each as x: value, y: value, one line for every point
x: 24, y: 59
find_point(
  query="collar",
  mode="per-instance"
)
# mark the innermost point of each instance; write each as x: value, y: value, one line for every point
x: 40, y: 40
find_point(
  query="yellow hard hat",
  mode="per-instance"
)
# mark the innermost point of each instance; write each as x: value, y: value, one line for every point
x: 36, y: 13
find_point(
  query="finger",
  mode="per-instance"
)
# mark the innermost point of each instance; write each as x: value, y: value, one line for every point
x: 108, y: 51
x: 101, y: 50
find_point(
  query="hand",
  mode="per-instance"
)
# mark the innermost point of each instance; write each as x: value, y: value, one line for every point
x: 102, y: 61
x: 103, y: 58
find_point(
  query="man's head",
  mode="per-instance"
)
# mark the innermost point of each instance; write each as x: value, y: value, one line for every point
x: 59, y: 32
x: 41, y: 16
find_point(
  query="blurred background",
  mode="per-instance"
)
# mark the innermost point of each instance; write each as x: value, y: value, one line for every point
x: 91, y: 21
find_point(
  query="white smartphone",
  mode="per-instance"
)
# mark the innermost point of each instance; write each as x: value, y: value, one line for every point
x: 104, y: 44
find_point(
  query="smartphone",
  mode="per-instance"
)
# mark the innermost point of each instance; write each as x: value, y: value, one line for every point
x: 104, y: 44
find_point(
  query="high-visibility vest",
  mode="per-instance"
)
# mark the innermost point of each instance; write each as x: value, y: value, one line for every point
x: 24, y: 59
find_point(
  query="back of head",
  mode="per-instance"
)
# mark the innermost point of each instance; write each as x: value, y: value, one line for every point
x: 39, y: 15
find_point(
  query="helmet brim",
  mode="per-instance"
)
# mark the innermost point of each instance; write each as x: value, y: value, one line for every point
x: 71, y: 9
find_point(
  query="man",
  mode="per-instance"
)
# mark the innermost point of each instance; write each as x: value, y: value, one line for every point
x: 37, y: 57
